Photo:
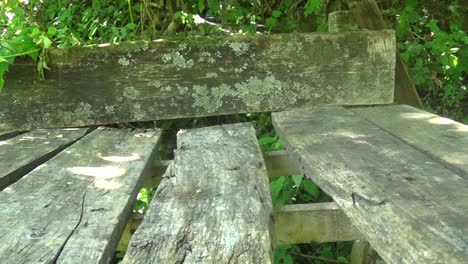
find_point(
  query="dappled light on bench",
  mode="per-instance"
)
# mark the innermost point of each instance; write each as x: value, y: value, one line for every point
x: 106, y: 172
x: 133, y: 156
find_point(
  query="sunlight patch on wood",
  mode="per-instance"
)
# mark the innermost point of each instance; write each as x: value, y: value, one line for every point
x: 106, y: 172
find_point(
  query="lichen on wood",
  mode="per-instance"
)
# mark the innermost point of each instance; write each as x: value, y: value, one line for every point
x: 163, y: 79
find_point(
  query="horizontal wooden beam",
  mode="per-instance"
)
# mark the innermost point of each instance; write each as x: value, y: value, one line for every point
x: 201, y: 76
x: 278, y: 163
x: 294, y: 224
x: 315, y: 222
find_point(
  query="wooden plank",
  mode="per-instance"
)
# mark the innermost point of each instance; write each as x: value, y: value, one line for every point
x: 201, y: 76
x: 444, y: 140
x: 74, y: 208
x: 315, y: 222
x: 213, y: 204
x: 130, y: 228
x: 367, y: 15
x: 363, y: 253
x: 294, y: 224
x: 410, y: 208
x: 21, y: 154
x: 278, y: 163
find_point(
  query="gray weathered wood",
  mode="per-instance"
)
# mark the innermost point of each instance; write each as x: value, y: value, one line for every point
x: 341, y: 21
x: 440, y: 138
x: 294, y: 224
x: 363, y: 253
x: 278, y: 163
x: 213, y: 204
x: 409, y: 207
x: 367, y: 15
x: 200, y: 77
x: 21, y: 154
x: 315, y: 222
x: 74, y: 208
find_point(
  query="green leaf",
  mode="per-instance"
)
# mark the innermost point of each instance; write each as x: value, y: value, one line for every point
x: 297, y: 179
x: 266, y: 140
x: 311, y: 188
x: 213, y: 5
x: 312, y: 6
x: 276, y: 14
x: 46, y: 42
x: 270, y: 22
x: 51, y: 31
x: 277, y: 186
x: 34, y: 32
x: 201, y: 5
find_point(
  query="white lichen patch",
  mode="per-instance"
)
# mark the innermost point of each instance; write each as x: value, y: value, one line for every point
x: 182, y: 47
x: 155, y: 83
x: 109, y: 110
x: 82, y: 114
x: 241, y: 69
x: 137, y: 112
x: 255, y: 93
x: 130, y: 92
x: 211, y: 75
x: 177, y: 60
x: 239, y: 48
x: 123, y: 61
x: 206, y: 57
x: 182, y: 89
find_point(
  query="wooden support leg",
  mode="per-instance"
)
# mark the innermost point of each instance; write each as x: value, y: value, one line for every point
x: 363, y: 253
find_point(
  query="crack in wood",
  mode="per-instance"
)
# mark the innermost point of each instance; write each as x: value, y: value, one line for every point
x: 54, y: 260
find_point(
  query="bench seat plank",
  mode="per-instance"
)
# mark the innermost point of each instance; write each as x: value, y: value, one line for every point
x: 441, y: 138
x: 410, y: 208
x: 21, y: 154
x: 74, y: 207
x: 213, y: 204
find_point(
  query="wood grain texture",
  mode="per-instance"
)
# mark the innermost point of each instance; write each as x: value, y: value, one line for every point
x: 21, y: 154
x: 342, y: 21
x: 367, y: 15
x: 278, y: 163
x: 315, y: 222
x: 409, y: 207
x: 442, y: 139
x: 213, y: 204
x: 74, y: 208
x: 200, y: 77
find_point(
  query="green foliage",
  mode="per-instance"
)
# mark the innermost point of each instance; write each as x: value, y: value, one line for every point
x: 143, y: 200
x: 434, y: 45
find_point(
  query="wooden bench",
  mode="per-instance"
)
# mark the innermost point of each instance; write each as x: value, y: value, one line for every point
x: 397, y: 174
